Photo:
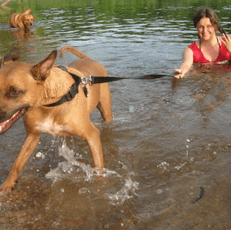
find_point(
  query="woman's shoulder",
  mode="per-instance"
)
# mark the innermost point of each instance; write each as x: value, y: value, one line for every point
x: 194, y: 45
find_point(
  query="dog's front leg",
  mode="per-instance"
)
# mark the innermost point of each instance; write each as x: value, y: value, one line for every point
x: 94, y: 142
x: 27, y: 149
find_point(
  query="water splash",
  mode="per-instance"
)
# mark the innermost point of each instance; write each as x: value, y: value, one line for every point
x: 73, y: 170
x: 126, y: 192
x: 70, y: 165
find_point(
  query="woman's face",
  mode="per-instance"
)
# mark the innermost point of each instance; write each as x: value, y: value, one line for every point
x: 205, y: 29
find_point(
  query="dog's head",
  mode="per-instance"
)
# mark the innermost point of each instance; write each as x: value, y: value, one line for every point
x: 21, y: 86
x: 27, y: 20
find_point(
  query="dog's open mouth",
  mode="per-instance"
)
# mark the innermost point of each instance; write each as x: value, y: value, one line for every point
x: 5, y: 125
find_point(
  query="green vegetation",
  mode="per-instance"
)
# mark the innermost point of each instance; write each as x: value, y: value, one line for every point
x: 106, y: 4
x: 115, y: 7
x: 120, y: 8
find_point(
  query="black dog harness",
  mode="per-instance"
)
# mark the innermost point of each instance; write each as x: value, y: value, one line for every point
x: 72, y: 91
x: 80, y: 81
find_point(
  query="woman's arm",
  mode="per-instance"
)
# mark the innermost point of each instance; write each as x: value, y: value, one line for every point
x: 186, y: 65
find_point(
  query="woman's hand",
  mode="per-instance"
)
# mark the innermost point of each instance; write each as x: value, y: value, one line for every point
x: 178, y: 73
x: 227, y: 41
x: 186, y: 65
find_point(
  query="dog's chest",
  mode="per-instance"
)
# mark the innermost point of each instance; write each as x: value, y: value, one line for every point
x: 48, y: 126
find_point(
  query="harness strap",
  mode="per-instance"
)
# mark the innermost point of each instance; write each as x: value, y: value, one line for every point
x: 72, y: 91
x: 67, y: 97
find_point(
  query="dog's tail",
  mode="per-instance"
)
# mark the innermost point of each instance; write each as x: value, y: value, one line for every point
x: 74, y: 51
x: 27, y: 11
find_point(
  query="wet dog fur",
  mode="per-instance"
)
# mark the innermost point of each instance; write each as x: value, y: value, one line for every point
x: 26, y: 89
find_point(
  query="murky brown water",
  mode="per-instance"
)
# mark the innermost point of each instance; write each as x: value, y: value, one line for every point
x: 169, y: 142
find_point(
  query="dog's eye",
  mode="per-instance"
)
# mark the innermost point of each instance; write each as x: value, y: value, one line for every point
x: 14, y: 92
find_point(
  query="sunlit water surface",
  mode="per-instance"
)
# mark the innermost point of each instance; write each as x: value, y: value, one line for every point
x: 167, y: 150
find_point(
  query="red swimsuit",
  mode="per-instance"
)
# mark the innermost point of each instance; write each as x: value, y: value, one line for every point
x: 198, y: 56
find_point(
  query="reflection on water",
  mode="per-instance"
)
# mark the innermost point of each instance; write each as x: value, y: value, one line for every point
x: 168, y: 138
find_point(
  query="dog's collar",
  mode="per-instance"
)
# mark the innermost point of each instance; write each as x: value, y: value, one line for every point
x: 72, y: 91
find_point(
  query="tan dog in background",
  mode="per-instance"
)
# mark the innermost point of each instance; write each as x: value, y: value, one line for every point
x: 26, y: 89
x: 23, y: 21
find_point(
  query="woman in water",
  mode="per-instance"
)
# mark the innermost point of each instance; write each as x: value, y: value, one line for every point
x: 209, y: 48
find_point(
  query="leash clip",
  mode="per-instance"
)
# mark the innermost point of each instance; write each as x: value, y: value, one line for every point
x: 85, y: 80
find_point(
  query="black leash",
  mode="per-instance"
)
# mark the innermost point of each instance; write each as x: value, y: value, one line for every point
x: 91, y: 81
x: 98, y: 80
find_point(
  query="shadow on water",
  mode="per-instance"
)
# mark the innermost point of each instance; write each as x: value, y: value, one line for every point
x: 167, y: 150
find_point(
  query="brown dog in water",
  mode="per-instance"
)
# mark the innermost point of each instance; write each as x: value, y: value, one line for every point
x: 31, y: 89
x: 23, y: 21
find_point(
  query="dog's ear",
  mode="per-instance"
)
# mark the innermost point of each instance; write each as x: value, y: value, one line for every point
x: 42, y: 70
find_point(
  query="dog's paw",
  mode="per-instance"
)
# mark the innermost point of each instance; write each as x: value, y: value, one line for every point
x: 5, y: 189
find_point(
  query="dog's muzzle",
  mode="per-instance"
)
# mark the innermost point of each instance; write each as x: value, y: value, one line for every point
x: 6, y: 123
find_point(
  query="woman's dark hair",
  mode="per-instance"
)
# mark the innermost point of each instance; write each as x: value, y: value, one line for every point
x: 204, y: 12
